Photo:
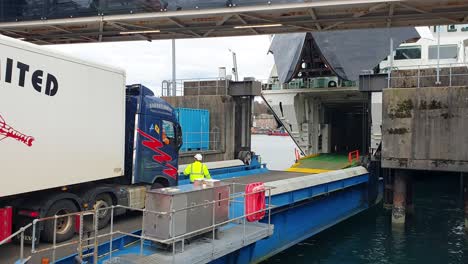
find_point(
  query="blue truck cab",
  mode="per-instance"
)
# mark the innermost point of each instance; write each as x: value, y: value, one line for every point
x: 153, y: 138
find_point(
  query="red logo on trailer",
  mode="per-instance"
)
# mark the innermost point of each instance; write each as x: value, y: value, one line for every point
x: 155, y: 145
x: 7, y: 131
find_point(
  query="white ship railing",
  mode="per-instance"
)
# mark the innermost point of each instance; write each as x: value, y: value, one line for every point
x: 200, y: 141
x: 450, y: 74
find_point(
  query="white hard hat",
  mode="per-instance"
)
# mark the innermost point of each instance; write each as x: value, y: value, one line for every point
x: 198, y: 157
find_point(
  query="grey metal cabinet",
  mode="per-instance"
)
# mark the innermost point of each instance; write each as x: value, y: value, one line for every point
x: 165, y: 225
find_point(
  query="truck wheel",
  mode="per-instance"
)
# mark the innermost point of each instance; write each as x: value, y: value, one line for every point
x: 157, y: 185
x: 103, y: 200
x: 65, y: 225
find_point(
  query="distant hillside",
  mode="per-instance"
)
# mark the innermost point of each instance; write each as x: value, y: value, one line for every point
x: 261, y: 108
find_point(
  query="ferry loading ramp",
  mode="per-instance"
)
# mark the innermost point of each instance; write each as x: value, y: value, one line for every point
x: 322, y: 163
x: 337, y: 195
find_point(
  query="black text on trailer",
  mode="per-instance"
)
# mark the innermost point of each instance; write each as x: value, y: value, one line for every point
x: 40, y: 81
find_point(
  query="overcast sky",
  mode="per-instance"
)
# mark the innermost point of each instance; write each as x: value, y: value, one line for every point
x: 149, y: 63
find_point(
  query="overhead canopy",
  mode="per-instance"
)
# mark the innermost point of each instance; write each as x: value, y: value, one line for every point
x: 78, y: 21
x: 342, y: 53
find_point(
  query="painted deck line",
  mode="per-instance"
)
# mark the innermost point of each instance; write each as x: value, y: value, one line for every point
x: 304, y: 170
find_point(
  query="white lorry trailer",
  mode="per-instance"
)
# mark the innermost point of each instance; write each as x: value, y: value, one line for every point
x: 73, y: 136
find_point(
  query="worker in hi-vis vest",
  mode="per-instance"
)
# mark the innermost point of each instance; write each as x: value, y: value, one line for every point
x: 197, y: 170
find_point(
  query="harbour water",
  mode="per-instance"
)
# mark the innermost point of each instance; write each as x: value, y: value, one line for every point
x: 276, y: 151
x: 432, y: 234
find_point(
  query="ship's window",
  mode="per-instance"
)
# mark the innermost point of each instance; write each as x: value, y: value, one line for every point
x: 408, y: 53
x: 446, y: 52
x: 451, y: 28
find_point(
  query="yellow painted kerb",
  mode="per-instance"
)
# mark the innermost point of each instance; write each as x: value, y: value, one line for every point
x: 306, y: 157
x: 307, y: 170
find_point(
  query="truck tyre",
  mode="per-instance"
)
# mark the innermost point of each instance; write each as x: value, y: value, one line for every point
x: 65, y: 225
x: 103, y: 200
x: 157, y: 185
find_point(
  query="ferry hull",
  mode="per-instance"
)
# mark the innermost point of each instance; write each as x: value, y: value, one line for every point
x: 305, y: 213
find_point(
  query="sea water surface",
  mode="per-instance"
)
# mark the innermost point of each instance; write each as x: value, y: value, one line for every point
x: 434, y: 233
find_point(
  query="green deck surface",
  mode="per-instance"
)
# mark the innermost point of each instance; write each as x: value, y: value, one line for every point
x: 325, y: 162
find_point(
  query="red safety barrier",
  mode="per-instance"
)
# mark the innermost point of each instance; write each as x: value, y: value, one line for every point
x: 88, y: 223
x: 6, y: 222
x: 77, y: 224
x: 355, y: 154
x: 296, y: 153
x: 255, y: 201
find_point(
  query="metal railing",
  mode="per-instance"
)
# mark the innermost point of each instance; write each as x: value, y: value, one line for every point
x: 195, y: 87
x: 416, y: 76
x: 201, y: 141
x: 20, y: 233
x: 308, y: 83
x: 215, y: 140
x: 88, y: 248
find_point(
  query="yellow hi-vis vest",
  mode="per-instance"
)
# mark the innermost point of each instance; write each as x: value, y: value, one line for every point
x: 197, y: 170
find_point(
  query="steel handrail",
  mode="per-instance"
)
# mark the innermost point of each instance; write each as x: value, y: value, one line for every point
x: 4, y: 241
x: 20, y: 231
x: 80, y: 241
x: 437, y: 68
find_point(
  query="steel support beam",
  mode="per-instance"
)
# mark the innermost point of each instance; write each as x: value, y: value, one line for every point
x: 277, y: 21
x: 422, y: 11
x: 101, y: 29
x: 360, y: 14
x: 207, y: 34
x: 391, y: 11
x: 222, y: 21
x: 115, y: 25
x: 245, y: 23
x: 314, y: 17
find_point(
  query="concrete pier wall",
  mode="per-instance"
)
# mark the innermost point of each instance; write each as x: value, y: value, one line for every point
x: 221, y: 120
x: 425, y: 128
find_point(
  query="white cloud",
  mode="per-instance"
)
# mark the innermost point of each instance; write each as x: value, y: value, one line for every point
x: 149, y: 63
